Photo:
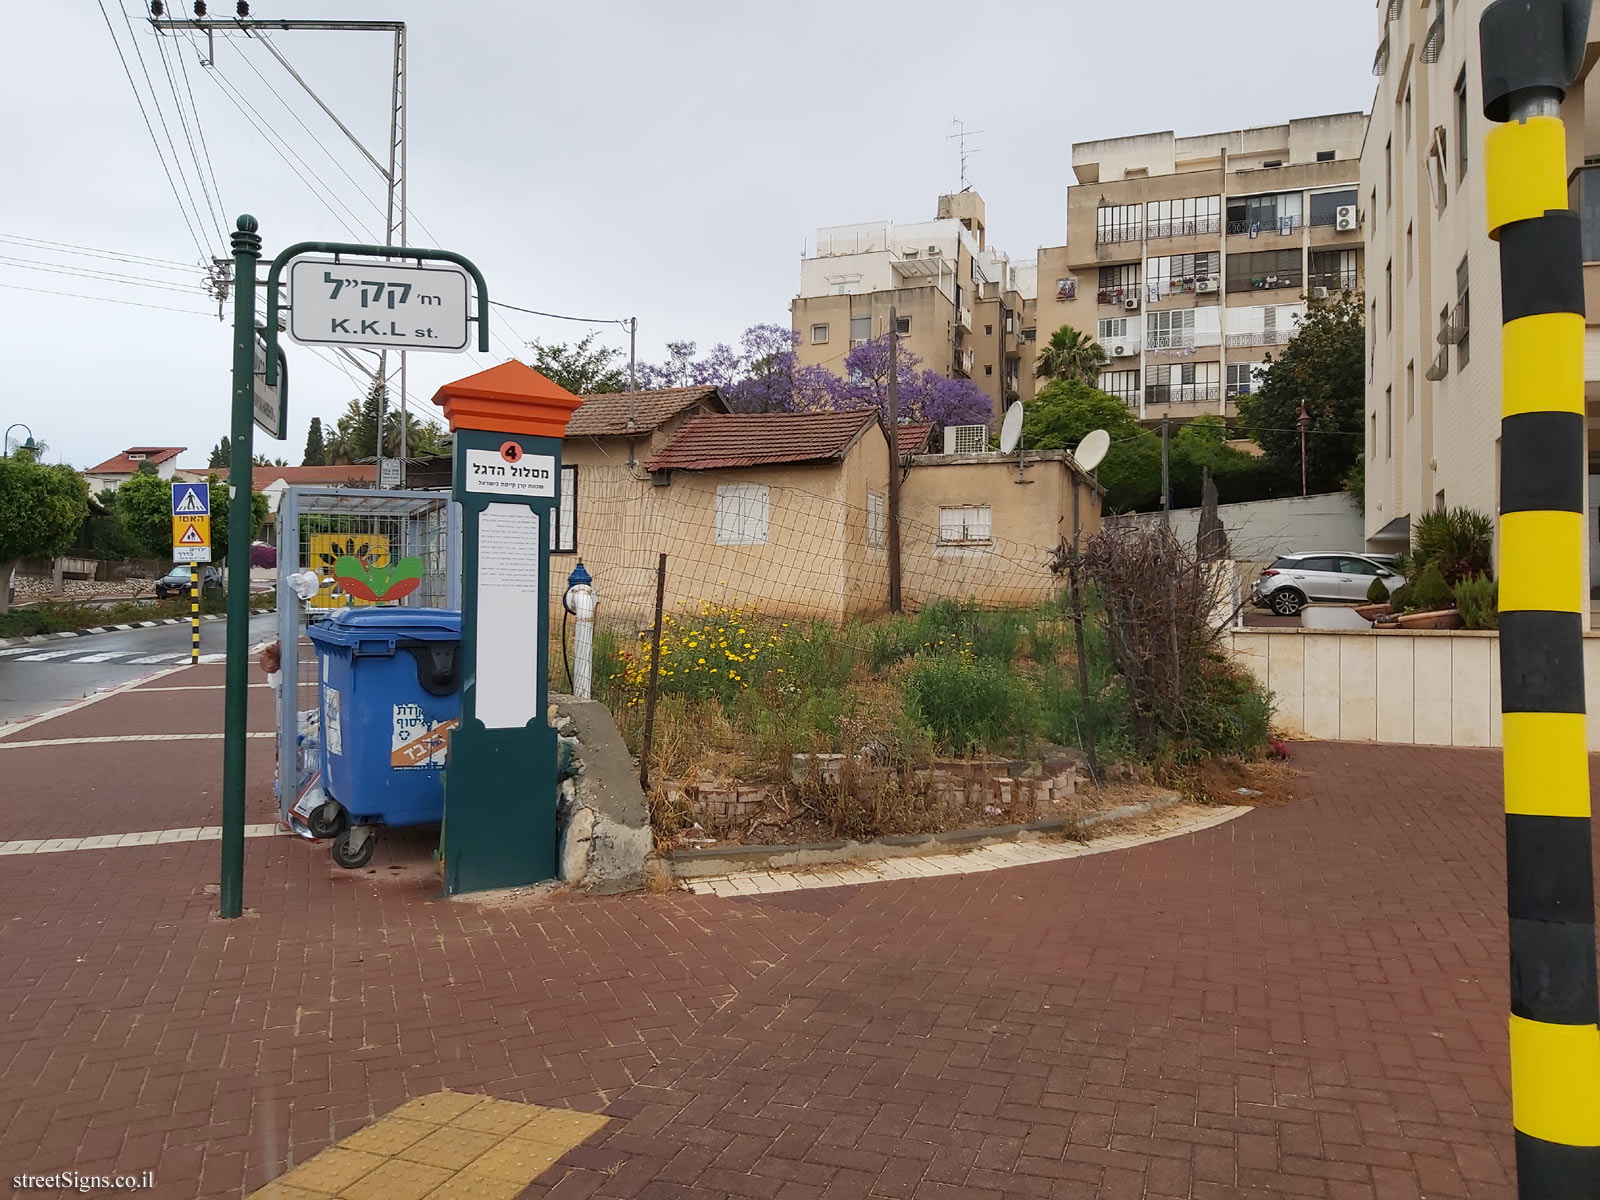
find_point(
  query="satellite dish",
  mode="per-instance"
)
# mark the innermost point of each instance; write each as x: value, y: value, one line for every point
x: 1092, y: 449
x: 1011, y: 428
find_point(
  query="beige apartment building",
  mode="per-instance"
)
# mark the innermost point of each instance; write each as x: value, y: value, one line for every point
x: 1191, y: 258
x: 1433, y: 322
x: 964, y: 309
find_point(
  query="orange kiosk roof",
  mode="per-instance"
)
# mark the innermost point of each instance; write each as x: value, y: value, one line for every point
x: 510, y: 398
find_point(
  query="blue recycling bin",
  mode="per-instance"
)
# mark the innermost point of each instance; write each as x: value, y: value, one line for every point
x: 389, y: 691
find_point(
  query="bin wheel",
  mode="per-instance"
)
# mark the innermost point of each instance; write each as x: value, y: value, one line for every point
x: 328, y: 820
x: 352, y: 860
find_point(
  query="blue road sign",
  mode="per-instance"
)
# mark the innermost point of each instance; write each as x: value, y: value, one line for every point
x: 191, y: 499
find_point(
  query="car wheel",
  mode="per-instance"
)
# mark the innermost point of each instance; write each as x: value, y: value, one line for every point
x: 328, y: 820
x: 353, y: 860
x: 1287, y: 601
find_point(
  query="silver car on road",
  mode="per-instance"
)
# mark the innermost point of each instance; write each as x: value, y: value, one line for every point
x: 1296, y: 579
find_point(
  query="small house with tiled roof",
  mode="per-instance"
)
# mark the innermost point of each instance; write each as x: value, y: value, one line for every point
x: 120, y: 468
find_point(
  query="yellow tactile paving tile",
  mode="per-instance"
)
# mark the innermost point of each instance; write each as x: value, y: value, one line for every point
x: 447, y: 1146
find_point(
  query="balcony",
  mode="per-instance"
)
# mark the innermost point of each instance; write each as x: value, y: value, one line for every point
x: 1335, y: 281
x: 1281, y: 226
x: 1121, y: 233
x: 964, y: 317
x: 962, y: 363
x: 1187, y: 285
x: 1183, y: 227
x: 1265, y: 283
x: 1117, y: 295
x: 1262, y: 337
x: 1182, y: 393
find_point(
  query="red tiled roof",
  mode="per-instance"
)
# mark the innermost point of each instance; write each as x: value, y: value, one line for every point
x: 605, y: 414
x: 914, y: 438
x: 721, y: 441
x: 357, y: 473
x: 121, y: 464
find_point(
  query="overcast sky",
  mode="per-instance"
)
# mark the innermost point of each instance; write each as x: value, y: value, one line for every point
x: 664, y: 160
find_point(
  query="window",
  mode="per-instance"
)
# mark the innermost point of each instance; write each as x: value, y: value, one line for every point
x: 1336, y: 270
x: 1266, y: 269
x: 1324, y: 155
x: 1406, y: 106
x: 988, y: 331
x: 1183, y: 218
x: 1463, y: 317
x: 988, y: 369
x: 1124, y: 385
x: 1411, y: 389
x: 1325, y: 206
x: 1184, y: 383
x: 965, y: 525
x: 860, y: 330
x: 1111, y: 329
x: 1461, y: 125
x: 742, y: 514
x: 902, y: 325
x: 1372, y: 433
x: 1388, y: 293
x: 1119, y: 283
x: 819, y: 334
x: 1410, y: 253
x: 1388, y: 422
x: 1356, y: 566
x: 1388, y: 173
x: 1242, y: 378
x: 564, y: 529
x: 877, y: 520
x: 1170, y: 330
x: 1176, y: 273
x: 973, y: 265
x: 1276, y: 212
x: 1272, y: 162
x: 1118, y: 223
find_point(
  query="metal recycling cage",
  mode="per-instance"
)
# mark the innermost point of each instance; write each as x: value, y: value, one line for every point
x: 369, y: 547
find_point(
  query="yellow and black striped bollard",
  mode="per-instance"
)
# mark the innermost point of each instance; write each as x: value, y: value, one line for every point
x: 1527, y: 55
x: 194, y: 614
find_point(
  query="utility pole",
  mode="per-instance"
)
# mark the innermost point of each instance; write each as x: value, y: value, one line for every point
x: 1303, y: 421
x: 1166, y: 471
x: 633, y: 382
x: 394, y: 176
x: 893, y: 532
x: 1530, y: 51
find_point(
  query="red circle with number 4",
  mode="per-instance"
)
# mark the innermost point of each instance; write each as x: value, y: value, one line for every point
x: 511, y: 452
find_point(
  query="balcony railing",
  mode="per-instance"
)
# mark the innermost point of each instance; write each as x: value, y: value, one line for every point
x: 1171, y: 339
x: 1129, y: 396
x: 1118, y: 233
x: 1117, y: 295
x: 1183, y: 227
x: 1280, y: 225
x: 1185, y: 284
x: 1262, y: 337
x: 1257, y: 283
x: 1182, y: 393
x: 1334, y: 281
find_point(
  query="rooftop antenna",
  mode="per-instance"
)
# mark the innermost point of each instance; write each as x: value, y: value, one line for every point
x: 960, y: 137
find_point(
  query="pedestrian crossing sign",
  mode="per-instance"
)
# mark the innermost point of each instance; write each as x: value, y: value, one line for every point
x: 191, y: 522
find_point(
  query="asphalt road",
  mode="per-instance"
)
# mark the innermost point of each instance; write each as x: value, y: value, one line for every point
x: 48, y: 674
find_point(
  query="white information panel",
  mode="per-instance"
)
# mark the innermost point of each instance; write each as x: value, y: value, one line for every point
x: 509, y: 621
x: 364, y: 302
x: 510, y: 472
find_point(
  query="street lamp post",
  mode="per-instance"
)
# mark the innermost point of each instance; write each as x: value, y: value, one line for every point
x: 5, y: 442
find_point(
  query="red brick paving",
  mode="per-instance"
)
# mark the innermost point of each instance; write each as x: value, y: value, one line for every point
x: 1307, y: 1001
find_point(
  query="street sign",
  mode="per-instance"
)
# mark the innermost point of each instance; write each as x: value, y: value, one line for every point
x: 191, y: 522
x: 271, y: 403
x: 389, y: 473
x: 383, y: 305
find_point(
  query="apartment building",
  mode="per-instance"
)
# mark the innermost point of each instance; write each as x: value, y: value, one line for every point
x: 964, y: 309
x: 1191, y: 258
x: 1432, y: 433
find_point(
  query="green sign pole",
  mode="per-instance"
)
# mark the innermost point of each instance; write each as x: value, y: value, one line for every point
x: 246, y: 253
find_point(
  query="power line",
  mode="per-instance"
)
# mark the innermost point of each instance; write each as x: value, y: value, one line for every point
x: 139, y: 100
x: 212, y: 204
x: 28, y: 264
x: 155, y: 102
x: 32, y: 243
x: 200, y: 129
x: 16, y: 287
x: 533, y: 312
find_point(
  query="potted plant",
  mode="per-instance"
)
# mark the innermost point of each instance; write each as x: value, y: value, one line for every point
x: 1431, y: 603
x: 1377, y: 604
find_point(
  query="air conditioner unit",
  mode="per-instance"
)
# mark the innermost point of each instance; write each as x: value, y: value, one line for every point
x: 1131, y: 304
x: 1206, y: 285
x: 1121, y: 351
x: 966, y: 439
x: 933, y: 252
x: 1345, y: 219
x: 1319, y: 293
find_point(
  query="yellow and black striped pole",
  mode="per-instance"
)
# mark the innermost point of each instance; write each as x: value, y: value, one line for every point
x: 1527, y: 54
x: 194, y: 614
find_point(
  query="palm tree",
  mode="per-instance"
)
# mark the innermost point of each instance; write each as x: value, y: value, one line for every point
x: 1071, y: 354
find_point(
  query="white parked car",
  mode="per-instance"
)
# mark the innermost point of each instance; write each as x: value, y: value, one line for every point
x: 1296, y: 579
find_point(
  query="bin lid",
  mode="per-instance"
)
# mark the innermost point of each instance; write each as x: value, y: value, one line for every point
x: 353, y: 626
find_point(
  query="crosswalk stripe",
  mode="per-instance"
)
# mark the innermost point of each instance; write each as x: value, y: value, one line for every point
x: 96, y: 658
x: 158, y: 658
x: 106, y: 841
x: 126, y: 737
x: 45, y: 657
